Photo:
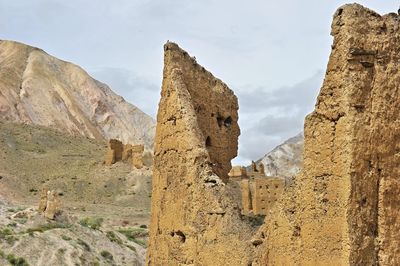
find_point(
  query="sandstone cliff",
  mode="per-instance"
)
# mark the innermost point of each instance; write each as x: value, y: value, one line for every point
x: 344, y: 206
x: 36, y: 88
x: 285, y: 160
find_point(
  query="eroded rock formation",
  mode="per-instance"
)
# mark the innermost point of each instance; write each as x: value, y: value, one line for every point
x: 344, y: 207
x: 49, y: 204
x: 194, y: 221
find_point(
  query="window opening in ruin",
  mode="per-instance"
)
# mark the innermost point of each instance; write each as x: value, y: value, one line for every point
x: 208, y: 141
x: 228, y: 121
x: 220, y: 120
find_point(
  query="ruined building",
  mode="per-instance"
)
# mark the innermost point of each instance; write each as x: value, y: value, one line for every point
x: 193, y: 217
x: 344, y: 206
x: 258, y: 191
x: 260, y: 194
x: 117, y: 151
x: 49, y: 204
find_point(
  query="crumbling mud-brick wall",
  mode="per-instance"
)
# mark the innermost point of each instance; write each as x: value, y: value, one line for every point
x: 194, y: 221
x: 266, y: 191
x: 49, y: 204
x: 127, y: 152
x: 344, y: 208
x: 247, y: 206
x: 114, y: 152
x: 137, y: 156
x: 238, y: 172
x: 260, y: 194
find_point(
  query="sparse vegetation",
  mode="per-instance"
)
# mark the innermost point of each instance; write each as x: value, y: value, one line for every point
x: 83, y: 244
x: 107, y: 255
x: 46, y: 227
x: 66, y: 238
x: 113, y: 237
x: 7, y: 234
x: 13, y: 260
x: 92, y: 222
x: 136, y: 235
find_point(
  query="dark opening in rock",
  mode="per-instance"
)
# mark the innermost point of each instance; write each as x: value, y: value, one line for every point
x: 208, y: 142
x: 228, y: 121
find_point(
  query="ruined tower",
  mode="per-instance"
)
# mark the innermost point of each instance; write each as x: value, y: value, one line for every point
x: 344, y: 208
x: 193, y: 217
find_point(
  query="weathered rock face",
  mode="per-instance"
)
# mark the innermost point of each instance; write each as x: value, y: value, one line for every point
x: 137, y: 156
x: 344, y: 207
x: 36, y: 88
x: 49, y: 203
x: 285, y: 160
x: 194, y: 220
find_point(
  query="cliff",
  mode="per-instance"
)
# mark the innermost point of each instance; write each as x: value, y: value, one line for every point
x: 37, y: 88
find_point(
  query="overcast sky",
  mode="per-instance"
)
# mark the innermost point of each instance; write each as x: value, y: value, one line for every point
x: 273, y: 54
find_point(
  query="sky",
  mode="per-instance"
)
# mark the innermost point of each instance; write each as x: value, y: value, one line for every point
x: 272, y: 54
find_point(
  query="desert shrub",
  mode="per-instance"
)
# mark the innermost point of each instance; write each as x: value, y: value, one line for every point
x: 83, y: 244
x: 134, y: 234
x: 16, y: 261
x: 143, y: 226
x: 113, y: 237
x: 46, y: 227
x: 66, y: 238
x: 107, y: 255
x: 92, y: 222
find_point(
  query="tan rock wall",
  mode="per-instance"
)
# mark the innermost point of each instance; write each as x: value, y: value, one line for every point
x: 343, y: 208
x: 246, y: 196
x: 193, y: 215
x: 137, y: 156
x: 266, y: 192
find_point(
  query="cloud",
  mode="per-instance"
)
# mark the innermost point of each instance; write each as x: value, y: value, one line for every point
x: 267, y: 118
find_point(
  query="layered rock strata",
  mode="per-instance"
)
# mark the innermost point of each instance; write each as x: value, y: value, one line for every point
x: 37, y: 88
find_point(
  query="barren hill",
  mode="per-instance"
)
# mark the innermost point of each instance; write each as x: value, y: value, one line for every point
x: 37, y: 88
x: 286, y: 159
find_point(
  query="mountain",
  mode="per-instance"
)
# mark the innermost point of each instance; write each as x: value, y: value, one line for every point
x: 286, y: 159
x: 37, y: 88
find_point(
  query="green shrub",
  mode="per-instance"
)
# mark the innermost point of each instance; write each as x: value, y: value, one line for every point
x: 46, y: 227
x: 92, y: 222
x: 17, y: 261
x: 107, y: 255
x: 83, y: 244
x: 133, y: 234
x: 66, y: 238
x: 113, y: 237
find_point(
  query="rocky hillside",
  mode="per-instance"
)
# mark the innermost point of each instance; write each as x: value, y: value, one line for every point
x: 37, y: 88
x: 286, y: 159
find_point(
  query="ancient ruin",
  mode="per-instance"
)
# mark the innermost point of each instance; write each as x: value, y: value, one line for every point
x: 114, y: 152
x: 260, y: 194
x: 194, y: 220
x: 342, y: 209
x: 117, y: 151
x: 137, y: 156
x: 258, y: 191
x: 49, y: 204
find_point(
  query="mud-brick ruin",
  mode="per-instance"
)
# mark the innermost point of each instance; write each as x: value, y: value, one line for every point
x: 258, y: 191
x: 342, y: 209
x: 117, y: 151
